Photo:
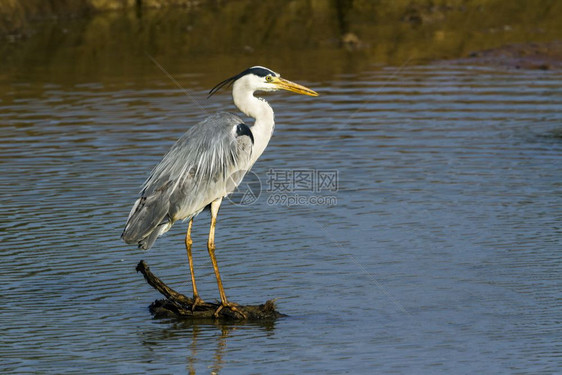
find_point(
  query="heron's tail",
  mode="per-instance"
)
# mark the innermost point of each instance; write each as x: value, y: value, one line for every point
x: 147, y: 221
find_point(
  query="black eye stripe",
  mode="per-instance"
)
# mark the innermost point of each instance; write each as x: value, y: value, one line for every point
x: 259, y: 71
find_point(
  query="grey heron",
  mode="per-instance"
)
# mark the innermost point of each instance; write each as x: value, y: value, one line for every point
x: 206, y: 164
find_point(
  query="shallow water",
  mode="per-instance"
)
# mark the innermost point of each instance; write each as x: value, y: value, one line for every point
x: 437, y: 251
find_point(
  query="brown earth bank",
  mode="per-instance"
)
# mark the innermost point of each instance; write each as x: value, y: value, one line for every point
x: 541, y: 56
x: 18, y: 15
x: 77, y: 40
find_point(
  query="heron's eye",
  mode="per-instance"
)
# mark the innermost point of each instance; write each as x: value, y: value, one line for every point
x: 268, y: 78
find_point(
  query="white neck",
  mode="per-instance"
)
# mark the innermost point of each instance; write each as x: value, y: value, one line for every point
x: 262, y: 130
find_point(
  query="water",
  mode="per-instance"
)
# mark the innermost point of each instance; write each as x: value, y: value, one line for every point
x: 441, y: 253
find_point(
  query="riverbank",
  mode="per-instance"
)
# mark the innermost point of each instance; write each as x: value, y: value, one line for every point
x: 93, y: 41
x: 539, y: 56
x: 17, y: 17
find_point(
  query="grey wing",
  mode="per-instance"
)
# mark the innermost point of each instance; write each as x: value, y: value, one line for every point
x: 206, y: 163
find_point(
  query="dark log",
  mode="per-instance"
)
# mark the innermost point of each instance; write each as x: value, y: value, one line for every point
x: 177, y: 305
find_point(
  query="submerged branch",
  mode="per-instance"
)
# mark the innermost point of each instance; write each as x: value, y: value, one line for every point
x: 177, y: 305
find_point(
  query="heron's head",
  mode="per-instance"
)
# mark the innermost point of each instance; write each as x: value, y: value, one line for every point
x: 258, y: 78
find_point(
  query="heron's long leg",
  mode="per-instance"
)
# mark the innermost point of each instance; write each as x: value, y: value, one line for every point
x: 211, y: 247
x: 188, y: 242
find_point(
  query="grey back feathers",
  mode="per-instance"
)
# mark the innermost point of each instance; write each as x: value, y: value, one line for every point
x: 208, y: 162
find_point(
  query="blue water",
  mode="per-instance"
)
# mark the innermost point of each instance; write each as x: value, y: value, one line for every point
x: 438, y: 251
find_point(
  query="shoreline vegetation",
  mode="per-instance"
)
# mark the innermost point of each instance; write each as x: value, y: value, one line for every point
x: 95, y: 34
x: 16, y: 16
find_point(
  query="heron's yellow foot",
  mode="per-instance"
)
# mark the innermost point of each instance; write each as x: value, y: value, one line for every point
x: 196, y: 301
x: 232, y: 307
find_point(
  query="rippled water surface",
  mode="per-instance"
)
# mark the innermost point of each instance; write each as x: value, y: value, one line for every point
x: 440, y: 254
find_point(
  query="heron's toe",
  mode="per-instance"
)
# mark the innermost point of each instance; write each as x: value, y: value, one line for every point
x: 197, y: 301
x: 232, y: 307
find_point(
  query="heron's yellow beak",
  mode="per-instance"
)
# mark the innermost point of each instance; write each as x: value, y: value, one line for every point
x: 284, y: 84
